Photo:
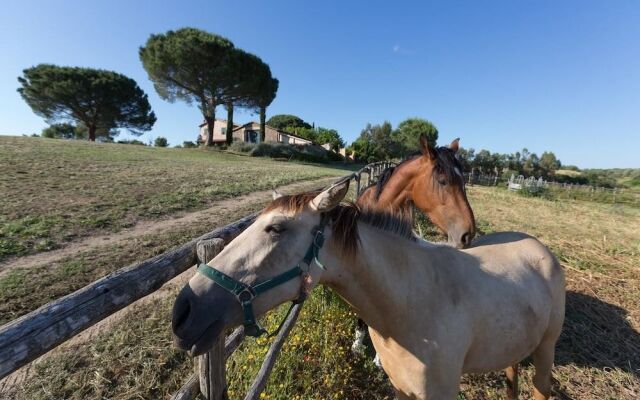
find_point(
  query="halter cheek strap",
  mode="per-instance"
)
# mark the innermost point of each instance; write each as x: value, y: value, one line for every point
x: 245, y: 294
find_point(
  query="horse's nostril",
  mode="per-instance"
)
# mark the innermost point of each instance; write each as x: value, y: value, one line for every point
x: 181, y: 313
x: 466, y: 238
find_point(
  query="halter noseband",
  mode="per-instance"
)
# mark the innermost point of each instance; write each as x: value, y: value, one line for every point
x: 246, y: 293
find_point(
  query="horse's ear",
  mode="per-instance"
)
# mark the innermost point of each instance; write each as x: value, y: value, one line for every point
x: 330, y: 197
x: 426, y: 149
x: 455, y: 145
x: 276, y: 195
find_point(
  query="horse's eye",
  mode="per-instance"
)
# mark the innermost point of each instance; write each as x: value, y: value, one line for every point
x: 274, y: 229
x: 442, y: 180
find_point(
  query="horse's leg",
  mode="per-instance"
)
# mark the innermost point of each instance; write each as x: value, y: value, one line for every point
x: 543, y: 362
x: 361, y: 333
x: 512, y: 382
x: 443, y: 380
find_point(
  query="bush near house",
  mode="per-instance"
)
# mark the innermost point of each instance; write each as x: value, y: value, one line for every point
x: 299, y: 152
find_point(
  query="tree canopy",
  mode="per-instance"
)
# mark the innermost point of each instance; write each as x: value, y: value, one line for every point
x: 190, y: 65
x: 262, y: 93
x: 161, y: 142
x: 376, y: 143
x: 520, y: 163
x: 382, y: 142
x: 59, y: 131
x: 207, y: 69
x: 284, y: 121
x: 100, y: 100
x: 331, y: 137
x: 250, y: 85
x: 409, y: 131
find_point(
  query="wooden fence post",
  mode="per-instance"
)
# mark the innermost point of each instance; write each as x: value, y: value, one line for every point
x: 210, y: 367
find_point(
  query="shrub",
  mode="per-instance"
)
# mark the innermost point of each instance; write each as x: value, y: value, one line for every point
x: 187, y: 144
x: 333, y: 156
x: 535, y: 191
x: 273, y: 150
x: 161, y: 142
x: 310, y: 153
x: 132, y: 141
x: 241, y: 147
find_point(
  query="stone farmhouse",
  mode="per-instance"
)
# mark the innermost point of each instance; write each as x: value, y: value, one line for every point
x: 249, y: 133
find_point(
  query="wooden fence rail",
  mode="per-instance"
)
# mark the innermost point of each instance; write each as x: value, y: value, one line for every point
x: 372, y: 171
x: 34, y: 334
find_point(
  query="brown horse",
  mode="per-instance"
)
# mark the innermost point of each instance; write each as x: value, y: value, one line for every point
x: 433, y: 181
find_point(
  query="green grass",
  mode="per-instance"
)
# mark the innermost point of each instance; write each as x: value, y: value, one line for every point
x: 59, y: 190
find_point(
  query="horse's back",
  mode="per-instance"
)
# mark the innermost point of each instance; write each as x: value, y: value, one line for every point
x: 521, y: 247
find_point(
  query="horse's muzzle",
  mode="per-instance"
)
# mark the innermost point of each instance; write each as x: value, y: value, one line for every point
x: 195, y: 323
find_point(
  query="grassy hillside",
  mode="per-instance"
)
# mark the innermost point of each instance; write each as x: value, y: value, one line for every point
x: 598, y: 355
x: 54, y: 191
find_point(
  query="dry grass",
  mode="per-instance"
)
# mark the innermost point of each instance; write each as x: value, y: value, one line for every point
x: 55, y: 191
x: 598, y: 355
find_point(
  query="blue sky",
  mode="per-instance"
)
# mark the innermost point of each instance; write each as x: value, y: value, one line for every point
x: 502, y: 75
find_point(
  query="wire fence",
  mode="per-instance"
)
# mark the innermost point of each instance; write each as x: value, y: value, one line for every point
x: 557, y: 190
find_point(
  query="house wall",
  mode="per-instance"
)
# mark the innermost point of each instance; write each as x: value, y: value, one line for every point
x: 271, y: 134
x: 290, y: 139
x: 219, y: 131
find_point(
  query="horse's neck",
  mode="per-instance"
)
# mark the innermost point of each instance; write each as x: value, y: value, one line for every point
x: 374, y: 281
x: 397, y: 191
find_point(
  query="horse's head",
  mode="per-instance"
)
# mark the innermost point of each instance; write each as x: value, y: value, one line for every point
x: 232, y: 286
x: 440, y: 192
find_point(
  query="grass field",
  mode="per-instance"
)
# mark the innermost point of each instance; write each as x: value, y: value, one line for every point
x: 55, y: 191
x: 598, y: 356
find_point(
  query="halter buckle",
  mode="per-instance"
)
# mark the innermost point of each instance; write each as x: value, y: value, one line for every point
x: 246, y: 295
x: 318, y: 239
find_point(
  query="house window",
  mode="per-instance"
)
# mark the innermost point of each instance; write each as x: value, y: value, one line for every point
x: 251, y: 137
x: 223, y: 130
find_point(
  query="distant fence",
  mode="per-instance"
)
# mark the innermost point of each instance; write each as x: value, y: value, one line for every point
x: 564, y: 190
x: 36, y: 333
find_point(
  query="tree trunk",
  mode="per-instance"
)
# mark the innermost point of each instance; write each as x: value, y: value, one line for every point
x: 92, y: 132
x: 263, y: 116
x: 210, y: 122
x: 229, y: 123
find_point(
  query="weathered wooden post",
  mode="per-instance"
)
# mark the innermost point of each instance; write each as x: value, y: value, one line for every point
x: 210, y: 367
x: 357, y: 179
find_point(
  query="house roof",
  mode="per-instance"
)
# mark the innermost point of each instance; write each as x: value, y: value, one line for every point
x: 217, y: 120
x: 293, y: 135
x: 244, y: 125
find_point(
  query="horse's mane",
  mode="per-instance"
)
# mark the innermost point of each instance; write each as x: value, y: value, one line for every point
x: 445, y: 163
x: 382, y: 180
x: 345, y: 217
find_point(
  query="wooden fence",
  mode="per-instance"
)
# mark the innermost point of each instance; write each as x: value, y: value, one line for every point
x: 36, y: 333
x: 372, y: 172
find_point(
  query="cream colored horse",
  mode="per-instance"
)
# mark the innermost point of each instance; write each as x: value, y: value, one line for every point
x: 434, y: 312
